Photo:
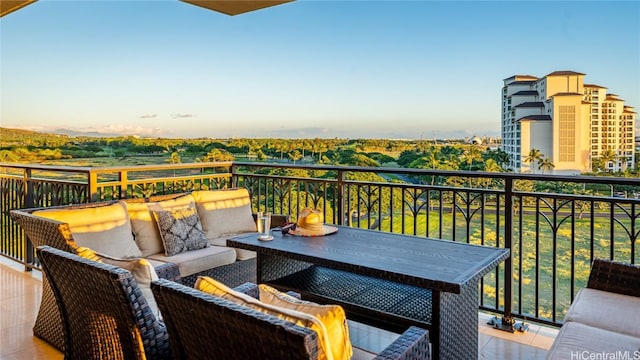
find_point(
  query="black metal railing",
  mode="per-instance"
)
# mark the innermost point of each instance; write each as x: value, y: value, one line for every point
x: 554, y: 225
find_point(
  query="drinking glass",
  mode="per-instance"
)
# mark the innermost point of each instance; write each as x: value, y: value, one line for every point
x: 263, y: 220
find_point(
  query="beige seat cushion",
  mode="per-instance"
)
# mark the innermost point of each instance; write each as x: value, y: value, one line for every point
x: 216, y: 288
x: 193, y: 262
x: 332, y: 317
x: 141, y: 269
x: 144, y: 226
x: 224, y: 212
x: 241, y: 254
x: 606, y: 310
x: 361, y: 354
x: 105, y: 229
x: 580, y: 341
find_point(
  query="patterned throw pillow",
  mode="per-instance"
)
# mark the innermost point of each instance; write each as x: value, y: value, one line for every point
x: 180, y: 230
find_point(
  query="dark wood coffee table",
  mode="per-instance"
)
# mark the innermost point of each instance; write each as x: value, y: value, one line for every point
x: 386, y: 280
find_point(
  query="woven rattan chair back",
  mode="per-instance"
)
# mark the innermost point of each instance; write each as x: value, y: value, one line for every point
x: 104, y: 314
x: 203, y: 326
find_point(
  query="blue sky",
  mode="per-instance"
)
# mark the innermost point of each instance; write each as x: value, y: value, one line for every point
x: 347, y: 69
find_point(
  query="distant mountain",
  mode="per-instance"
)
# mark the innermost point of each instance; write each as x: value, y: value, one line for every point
x: 12, y: 133
x: 74, y: 133
x: 8, y: 133
x: 19, y: 137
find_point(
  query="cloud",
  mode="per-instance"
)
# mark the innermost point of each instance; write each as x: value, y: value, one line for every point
x: 108, y: 130
x: 125, y: 130
x: 176, y: 116
x: 148, y: 116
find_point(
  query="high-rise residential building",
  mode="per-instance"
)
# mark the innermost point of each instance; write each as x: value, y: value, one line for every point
x: 577, y: 126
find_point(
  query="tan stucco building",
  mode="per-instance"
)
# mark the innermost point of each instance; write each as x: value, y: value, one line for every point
x: 571, y: 123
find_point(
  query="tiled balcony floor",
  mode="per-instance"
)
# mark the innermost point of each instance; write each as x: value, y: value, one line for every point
x: 20, y: 296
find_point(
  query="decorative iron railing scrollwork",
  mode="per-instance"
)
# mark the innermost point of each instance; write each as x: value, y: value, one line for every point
x: 553, y: 235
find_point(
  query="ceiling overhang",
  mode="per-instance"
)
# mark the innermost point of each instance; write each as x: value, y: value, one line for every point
x: 9, y: 6
x: 229, y: 7
x: 235, y: 7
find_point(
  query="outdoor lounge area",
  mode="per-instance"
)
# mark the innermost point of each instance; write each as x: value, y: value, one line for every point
x: 498, y: 282
x: 319, y: 180
x: 19, y: 303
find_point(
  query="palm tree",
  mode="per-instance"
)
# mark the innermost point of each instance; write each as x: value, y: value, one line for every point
x: 607, y: 156
x: 490, y: 165
x: 535, y: 156
x: 471, y: 154
x: 500, y: 156
x: 217, y: 155
x: 295, y: 155
x: 174, y: 159
x: 545, y: 164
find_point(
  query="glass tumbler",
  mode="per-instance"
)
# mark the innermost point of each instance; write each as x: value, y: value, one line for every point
x: 263, y: 220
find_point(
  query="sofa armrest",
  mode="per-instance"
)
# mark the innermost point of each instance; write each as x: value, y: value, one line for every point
x: 412, y: 344
x: 616, y: 277
x: 169, y: 271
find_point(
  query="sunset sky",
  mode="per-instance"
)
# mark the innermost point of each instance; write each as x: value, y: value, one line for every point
x: 347, y: 69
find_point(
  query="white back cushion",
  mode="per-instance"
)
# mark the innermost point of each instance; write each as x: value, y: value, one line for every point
x: 224, y: 212
x: 105, y: 229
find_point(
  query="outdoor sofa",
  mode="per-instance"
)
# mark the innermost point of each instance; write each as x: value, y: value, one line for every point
x: 128, y: 229
x: 604, y: 318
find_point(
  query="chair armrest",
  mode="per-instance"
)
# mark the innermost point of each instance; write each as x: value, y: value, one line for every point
x: 248, y: 288
x: 412, y: 344
x: 252, y: 290
x: 169, y: 271
x: 616, y: 277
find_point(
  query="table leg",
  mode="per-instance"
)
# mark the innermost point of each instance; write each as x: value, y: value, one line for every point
x: 458, y: 324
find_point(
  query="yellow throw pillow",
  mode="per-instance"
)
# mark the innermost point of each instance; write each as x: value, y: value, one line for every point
x: 141, y: 269
x: 216, y: 288
x: 332, y: 316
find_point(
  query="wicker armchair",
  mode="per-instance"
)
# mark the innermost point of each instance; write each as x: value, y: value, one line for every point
x: 104, y: 314
x: 46, y: 232
x: 615, y: 277
x: 204, y: 326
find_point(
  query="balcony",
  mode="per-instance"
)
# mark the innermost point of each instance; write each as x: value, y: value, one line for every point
x: 20, y: 305
x: 554, y: 226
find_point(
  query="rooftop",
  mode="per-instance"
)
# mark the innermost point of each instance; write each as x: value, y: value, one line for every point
x: 535, y: 118
x: 594, y: 86
x: 526, y: 92
x: 567, y: 94
x: 530, y: 104
x: 564, y: 73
